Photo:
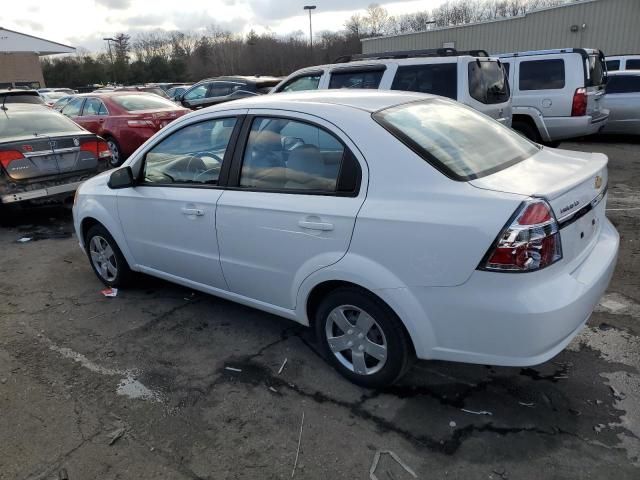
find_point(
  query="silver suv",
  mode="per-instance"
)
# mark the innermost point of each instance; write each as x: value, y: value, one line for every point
x: 472, y: 77
x: 557, y: 93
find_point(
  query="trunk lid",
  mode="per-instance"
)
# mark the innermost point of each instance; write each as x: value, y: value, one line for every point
x: 158, y: 119
x: 574, y: 184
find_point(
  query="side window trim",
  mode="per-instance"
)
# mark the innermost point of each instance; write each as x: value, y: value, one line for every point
x: 226, y: 160
x: 311, y: 73
x: 233, y: 181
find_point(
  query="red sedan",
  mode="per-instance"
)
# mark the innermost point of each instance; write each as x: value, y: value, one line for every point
x: 124, y: 119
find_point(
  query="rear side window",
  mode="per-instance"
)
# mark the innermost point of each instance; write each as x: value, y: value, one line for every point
x: 369, y: 79
x: 613, y: 65
x: 623, y: 84
x: 197, y: 92
x: 457, y: 140
x: 542, y: 74
x: 437, y: 79
x: 284, y: 154
x: 487, y: 82
x: 633, y: 65
x: 304, y: 82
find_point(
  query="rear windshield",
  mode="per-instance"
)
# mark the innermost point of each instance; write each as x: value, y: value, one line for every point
x: 460, y: 142
x: 55, y: 95
x: 487, y: 82
x: 132, y: 103
x: 35, y: 99
x: 41, y: 121
x: 596, y: 71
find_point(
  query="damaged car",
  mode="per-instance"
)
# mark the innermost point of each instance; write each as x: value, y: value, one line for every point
x: 44, y: 156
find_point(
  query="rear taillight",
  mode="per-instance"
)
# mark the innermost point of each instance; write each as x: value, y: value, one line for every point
x: 99, y: 148
x: 8, y: 156
x: 141, y: 123
x: 579, y: 104
x: 529, y: 242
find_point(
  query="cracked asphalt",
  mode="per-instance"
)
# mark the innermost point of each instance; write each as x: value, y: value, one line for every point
x: 165, y: 383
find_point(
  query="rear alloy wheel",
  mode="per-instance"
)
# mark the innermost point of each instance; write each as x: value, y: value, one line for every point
x: 526, y: 129
x: 106, y: 259
x: 116, y: 153
x: 362, y: 338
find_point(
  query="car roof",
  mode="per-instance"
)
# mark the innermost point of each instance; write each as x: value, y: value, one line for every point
x: 21, y: 107
x: 370, y: 101
x: 616, y: 73
x: 116, y: 93
x: 246, y: 78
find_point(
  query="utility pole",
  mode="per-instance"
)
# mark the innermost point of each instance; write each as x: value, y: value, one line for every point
x: 113, y: 66
x: 310, y: 7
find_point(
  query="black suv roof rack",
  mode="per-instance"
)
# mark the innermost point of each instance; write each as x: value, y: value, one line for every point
x: 432, y: 52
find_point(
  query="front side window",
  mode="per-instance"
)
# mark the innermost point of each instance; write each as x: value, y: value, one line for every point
x: 368, y: 79
x: 197, y: 93
x: 488, y: 82
x: 613, y: 65
x: 542, y: 74
x: 72, y: 109
x: 623, y: 84
x: 283, y: 154
x: 633, y: 64
x: 191, y: 155
x: 437, y: 79
x: 305, y: 82
x: 460, y: 142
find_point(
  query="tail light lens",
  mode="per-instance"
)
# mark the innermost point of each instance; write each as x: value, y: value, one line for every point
x: 8, y: 156
x: 579, y: 105
x: 529, y: 242
x: 99, y: 148
x: 141, y: 123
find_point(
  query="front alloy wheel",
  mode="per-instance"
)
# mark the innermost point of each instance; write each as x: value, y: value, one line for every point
x: 362, y: 337
x: 103, y: 258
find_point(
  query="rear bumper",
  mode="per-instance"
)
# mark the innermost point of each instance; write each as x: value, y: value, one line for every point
x: 512, y: 319
x: 51, y: 191
x: 560, y: 128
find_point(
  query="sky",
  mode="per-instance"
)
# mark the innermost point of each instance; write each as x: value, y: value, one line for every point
x: 83, y: 23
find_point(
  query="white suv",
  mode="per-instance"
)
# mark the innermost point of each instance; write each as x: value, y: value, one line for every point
x: 623, y: 62
x: 470, y: 77
x: 557, y: 93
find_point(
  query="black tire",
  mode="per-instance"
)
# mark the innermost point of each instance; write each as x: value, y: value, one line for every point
x: 117, y: 157
x: 122, y: 271
x: 526, y: 129
x: 399, y: 353
x: 553, y: 144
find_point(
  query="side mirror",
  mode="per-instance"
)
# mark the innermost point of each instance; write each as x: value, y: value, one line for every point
x: 121, y: 178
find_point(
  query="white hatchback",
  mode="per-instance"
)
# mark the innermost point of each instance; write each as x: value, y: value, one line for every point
x: 395, y: 224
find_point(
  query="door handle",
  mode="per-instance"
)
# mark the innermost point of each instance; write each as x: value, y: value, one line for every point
x: 325, y: 227
x: 193, y: 211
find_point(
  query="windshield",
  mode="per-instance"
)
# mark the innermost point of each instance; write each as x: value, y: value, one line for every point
x: 22, y: 98
x: 487, y: 82
x: 142, y: 102
x: 460, y: 142
x: 596, y: 71
x: 18, y: 123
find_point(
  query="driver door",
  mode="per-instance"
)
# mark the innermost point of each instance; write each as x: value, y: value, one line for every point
x: 169, y: 216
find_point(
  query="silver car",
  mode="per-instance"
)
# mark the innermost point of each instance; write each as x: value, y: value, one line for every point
x: 623, y: 101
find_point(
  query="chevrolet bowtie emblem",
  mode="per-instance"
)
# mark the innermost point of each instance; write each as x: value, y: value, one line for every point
x: 598, y: 182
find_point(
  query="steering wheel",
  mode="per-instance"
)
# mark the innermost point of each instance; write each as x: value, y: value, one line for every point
x: 201, y: 169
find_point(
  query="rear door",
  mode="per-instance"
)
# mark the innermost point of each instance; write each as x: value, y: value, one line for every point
x: 93, y: 115
x: 290, y: 207
x: 486, y: 88
x: 543, y: 84
x: 73, y: 110
x: 170, y: 215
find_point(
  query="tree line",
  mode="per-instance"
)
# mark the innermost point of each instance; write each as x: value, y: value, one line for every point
x: 160, y: 56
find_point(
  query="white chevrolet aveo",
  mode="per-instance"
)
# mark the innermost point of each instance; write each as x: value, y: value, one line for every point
x: 397, y: 225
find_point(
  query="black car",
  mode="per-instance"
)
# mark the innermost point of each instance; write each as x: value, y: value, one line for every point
x: 20, y: 96
x: 44, y: 156
x: 222, y: 89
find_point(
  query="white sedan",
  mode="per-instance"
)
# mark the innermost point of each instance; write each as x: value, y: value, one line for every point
x: 397, y: 225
